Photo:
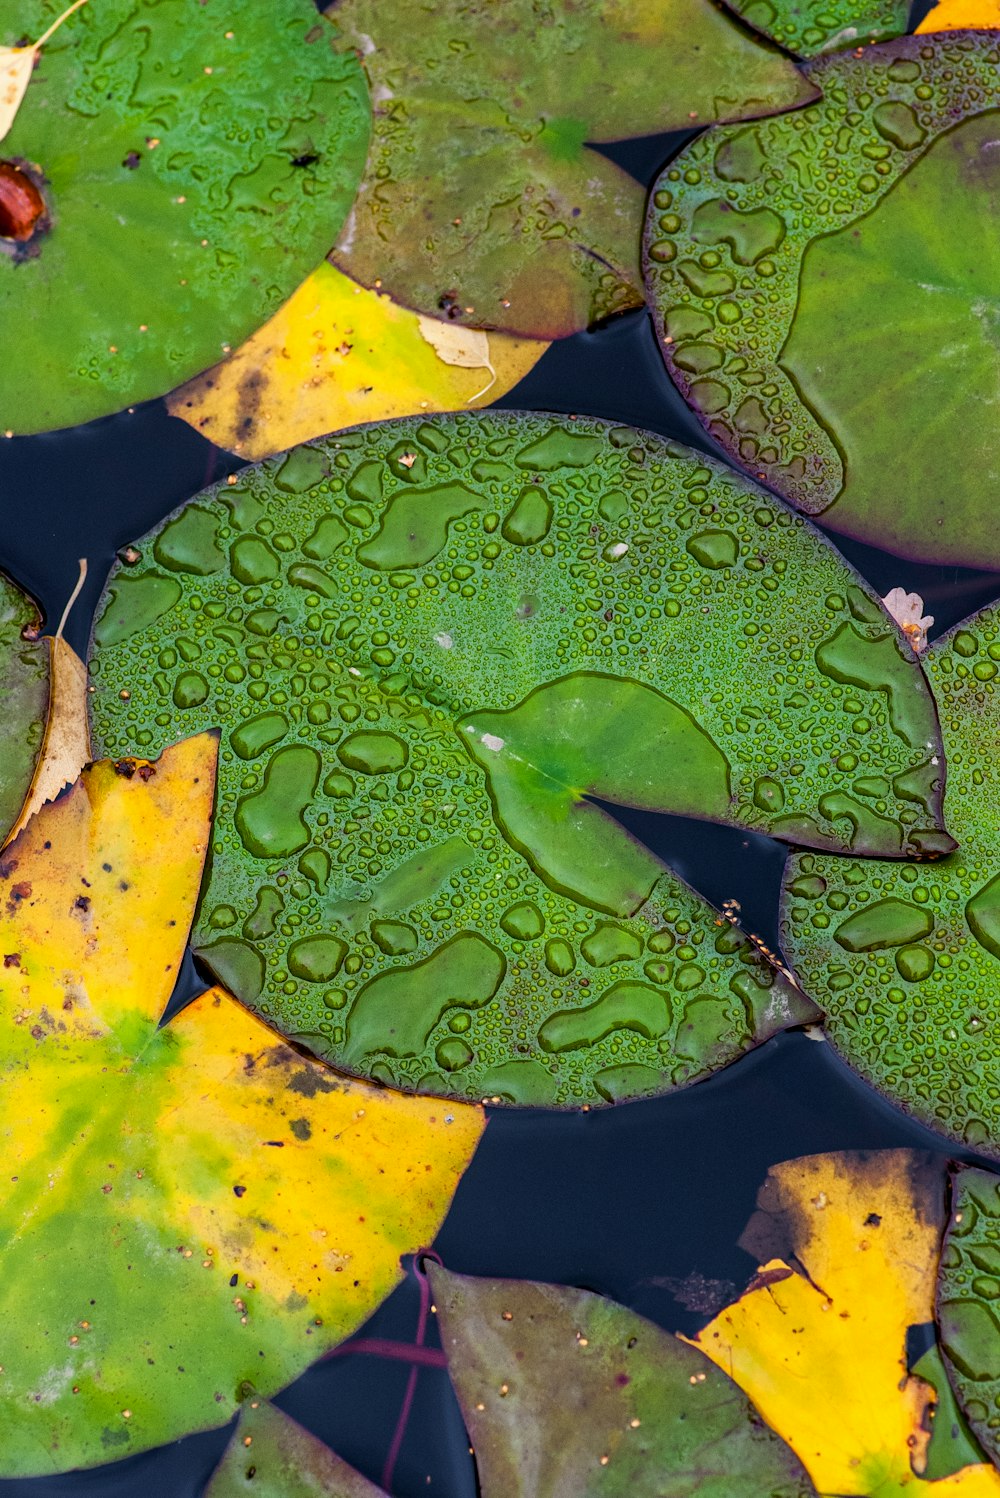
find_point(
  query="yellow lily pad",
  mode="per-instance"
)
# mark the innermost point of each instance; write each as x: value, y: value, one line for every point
x: 961, y: 15
x: 336, y: 355
x: 188, y: 1213
x: 849, y: 1247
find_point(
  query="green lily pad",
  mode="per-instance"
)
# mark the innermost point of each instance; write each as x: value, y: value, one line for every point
x: 906, y: 961
x: 807, y: 27
x: 481, y: 202
x: 432, y: 649
x: 825, y: 292
x: 272, y: 1456
x: 566, y: 1392
x: 195, y: 163
x: 952, y: 1445
x: 968, y: 1289
x: 24, y: 691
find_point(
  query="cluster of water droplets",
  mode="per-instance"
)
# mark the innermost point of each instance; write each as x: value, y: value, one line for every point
x: 732, y: 217
x: 425, y: 644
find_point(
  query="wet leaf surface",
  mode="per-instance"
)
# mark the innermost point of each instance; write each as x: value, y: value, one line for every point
x: 421, y: 641
x: 189, y: 1212
x: 968, y: 1287
x: 564, y: 1392
x: 24, y: 691
x: 806, y: 27
x: 271, y: 1456
x: 825, y: 284
x: 905, y: 961
x: 336, y: 355
x: 481, y: 202
x: 848, y: 1246
x: 132, y: 149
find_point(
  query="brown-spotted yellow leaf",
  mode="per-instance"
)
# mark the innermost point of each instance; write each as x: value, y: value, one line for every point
x: 66, y: 744
x: 336, y: 355
x: 187, y: 1211
x: 962, y: 15
x: 849, y: 1247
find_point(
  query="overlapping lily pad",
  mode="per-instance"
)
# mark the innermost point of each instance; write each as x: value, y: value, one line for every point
x: 186, y: 1213
x: 174, y: 171
x: 848, y: 1246
x: 566, y: 1392
x: 481, y: 202
x: 825, y: 288
x: 807, y: 27
x: 431, y: 648
x: 968, y: 1290
x: 271, y: 1456
x: 24, y: 691
x: 906, y: 961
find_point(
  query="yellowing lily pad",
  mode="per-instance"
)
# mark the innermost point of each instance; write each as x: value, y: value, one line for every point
x: 848, y: 1246
x: 337, y: 355
x: 187, y: 1213
x: 823, y: 286
x: 271, y: 1456
x: 207, y: 152
x: 961, y: 15
x: 481, y: 201
x: 564, y: 1392
x: 422, y: 641
x: 904, y: 965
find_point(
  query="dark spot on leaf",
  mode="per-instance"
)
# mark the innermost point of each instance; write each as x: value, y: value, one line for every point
x: 12, y: 959
x: 239, y: 1190
x: 873, y: 1220
x: 301, y: 1128
x: 125, y: 768
x: 132, y: 160
x: 82, y: 902
x: 310, y: 1081
x: 308, y: 158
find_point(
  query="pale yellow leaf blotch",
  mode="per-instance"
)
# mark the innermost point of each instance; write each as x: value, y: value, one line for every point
x: 336, y: 355
x: 962, y: 15
x: 822, y: 1352
x: 16, y: 67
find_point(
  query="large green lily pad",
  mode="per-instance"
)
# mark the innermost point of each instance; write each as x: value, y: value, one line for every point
x: 807, y: 27
x: 825, y: 287
x: 271, y: 1456
x: 566, y: 1392
x: 431, y: 648
x: 196, y: 162
x: 968, y: 1287
x: 906, y: 961
x: 24, y: 692
x: 481, y: 202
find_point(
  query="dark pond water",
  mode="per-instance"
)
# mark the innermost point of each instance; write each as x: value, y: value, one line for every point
x: 631, y: 1201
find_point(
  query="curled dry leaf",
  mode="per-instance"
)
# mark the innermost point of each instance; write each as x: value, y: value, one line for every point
x: 336, y: 355
x: 848, y: 1246
x: 16, y: 67
x: 66, y: 744
x: 186, y: 1212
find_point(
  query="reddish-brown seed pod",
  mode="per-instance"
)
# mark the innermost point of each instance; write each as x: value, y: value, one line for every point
x: 21, y: 204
